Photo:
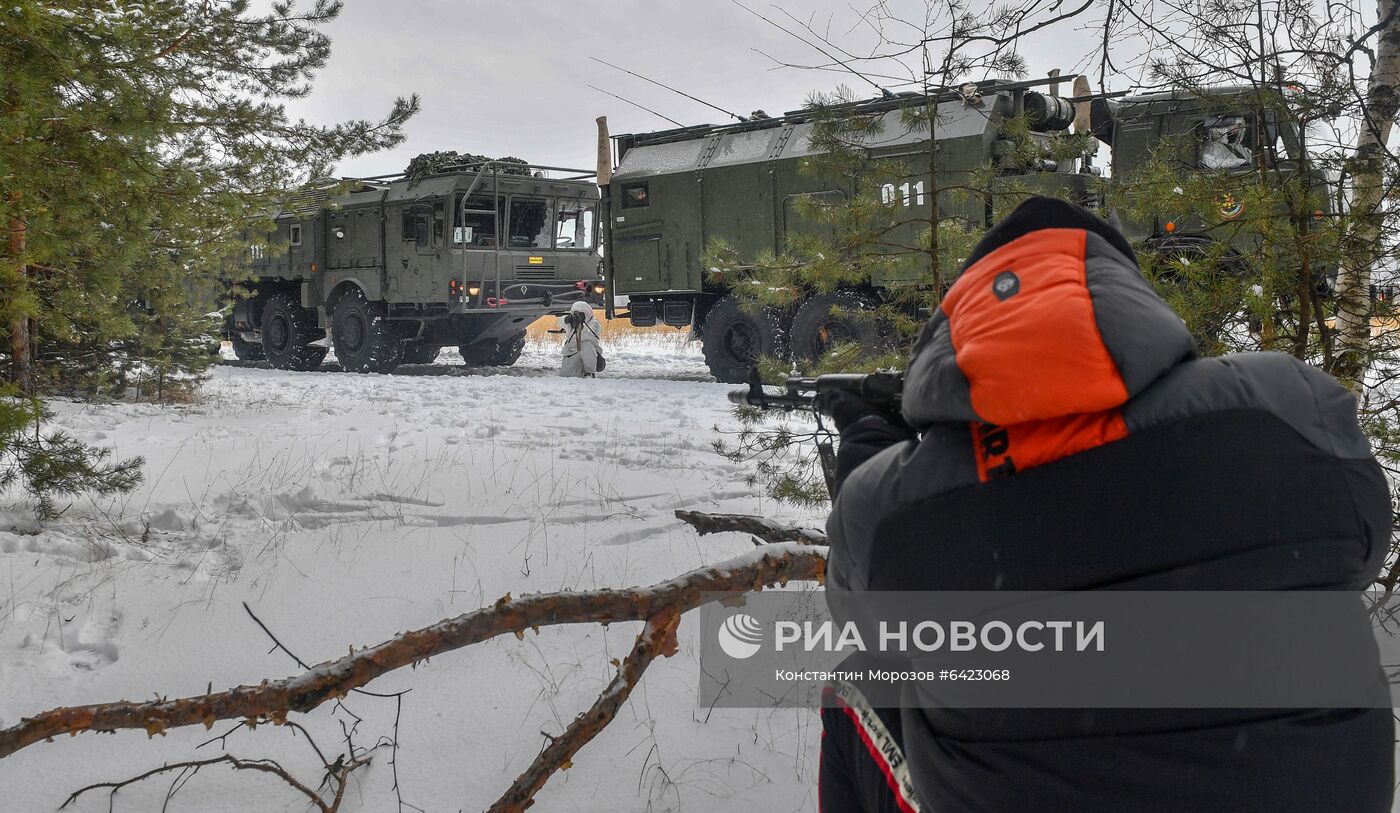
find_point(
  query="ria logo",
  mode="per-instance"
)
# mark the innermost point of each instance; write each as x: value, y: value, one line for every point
x: 740, y: 636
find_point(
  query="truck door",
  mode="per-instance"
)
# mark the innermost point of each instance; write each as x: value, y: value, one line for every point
x: 300, y: 248
x: 413, y: 245
x: 636, y: 241
x: 400, y: 250
x: 1133, y: 139
x: 637, y: 259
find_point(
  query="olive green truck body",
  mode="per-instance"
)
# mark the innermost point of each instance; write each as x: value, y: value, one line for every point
x: 674, y: 191
x: 394, y: 268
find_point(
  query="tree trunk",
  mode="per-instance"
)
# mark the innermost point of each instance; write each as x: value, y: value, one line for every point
x: 19, y: 326
x: 1368, y: 187
x: 931, y: 109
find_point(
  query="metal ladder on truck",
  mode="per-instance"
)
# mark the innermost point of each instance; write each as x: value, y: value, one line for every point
x: 495, y: 211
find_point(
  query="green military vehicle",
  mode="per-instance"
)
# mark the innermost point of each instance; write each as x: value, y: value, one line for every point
x: 1224, y: 131
x: 390, y: 269
x: 674, y: 190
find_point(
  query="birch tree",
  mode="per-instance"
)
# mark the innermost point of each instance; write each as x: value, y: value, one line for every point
x: 1371, y: 160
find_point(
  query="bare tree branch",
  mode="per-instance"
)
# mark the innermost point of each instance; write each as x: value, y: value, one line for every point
x: 657, y: 638
x: 273, y: 700
x: 764, y: 529
x: 338, y: 773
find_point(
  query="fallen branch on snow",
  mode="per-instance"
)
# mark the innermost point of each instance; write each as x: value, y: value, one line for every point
x: 336, y: 776
x: 764, y: 529
x: 657, y: 638
x: 660, y: 605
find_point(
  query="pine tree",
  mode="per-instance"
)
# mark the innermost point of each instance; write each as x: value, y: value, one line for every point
x: 138, y: 140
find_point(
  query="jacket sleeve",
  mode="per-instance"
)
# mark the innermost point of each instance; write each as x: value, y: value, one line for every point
x: 836, y: 787
x: 861, y: 441
x: 890, y: 478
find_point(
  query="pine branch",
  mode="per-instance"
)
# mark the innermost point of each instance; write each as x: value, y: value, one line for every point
x: 180, y: 40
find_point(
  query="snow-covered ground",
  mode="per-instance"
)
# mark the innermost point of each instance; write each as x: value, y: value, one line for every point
x: 345, y: 508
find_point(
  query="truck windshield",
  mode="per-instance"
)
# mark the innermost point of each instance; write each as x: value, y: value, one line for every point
x: 473, y: 225
x: 1225, y: 143
x: 529, y: 222
x: 575, y: 225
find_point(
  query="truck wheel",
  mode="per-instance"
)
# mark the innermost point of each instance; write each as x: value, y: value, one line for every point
x: 827, y: 320
x: 420, y: 353
x: 733, y: 339
x: 245, y: 350
x: 288, y: 330
x: 494, y: 354
x: 365, y: 342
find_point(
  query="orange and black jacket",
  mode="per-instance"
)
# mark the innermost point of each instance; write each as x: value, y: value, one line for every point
x: 1070, y: 439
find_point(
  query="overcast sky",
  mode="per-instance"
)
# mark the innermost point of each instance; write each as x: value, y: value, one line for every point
x: 510, y: 77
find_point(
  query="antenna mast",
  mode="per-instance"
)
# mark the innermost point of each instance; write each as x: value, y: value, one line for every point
x: 634, y: 104
x: 668, y: 87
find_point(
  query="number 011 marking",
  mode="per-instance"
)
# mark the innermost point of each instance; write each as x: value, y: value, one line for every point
x: 887, y: 194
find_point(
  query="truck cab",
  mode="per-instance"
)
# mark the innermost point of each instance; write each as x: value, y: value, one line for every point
x: 1231, y: 131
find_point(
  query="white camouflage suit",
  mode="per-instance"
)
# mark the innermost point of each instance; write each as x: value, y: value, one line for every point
x: 581, y: 345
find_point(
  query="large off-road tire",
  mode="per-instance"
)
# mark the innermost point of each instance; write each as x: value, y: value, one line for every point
x: 245, y: 350
x: 365, y: 341
x: 827, y: 320
x: 288, y: 330
x: 494, y: 354
x: 734, y: 338
x: 420, y: 353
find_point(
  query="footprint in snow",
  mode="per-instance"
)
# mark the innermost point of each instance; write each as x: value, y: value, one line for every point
x: 638, y: 535
x: 94, y: 644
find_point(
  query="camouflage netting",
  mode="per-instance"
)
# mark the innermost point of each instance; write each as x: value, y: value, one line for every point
x: 430, y: 162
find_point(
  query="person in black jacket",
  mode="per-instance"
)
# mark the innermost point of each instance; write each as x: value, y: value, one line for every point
x: 1069, y: 438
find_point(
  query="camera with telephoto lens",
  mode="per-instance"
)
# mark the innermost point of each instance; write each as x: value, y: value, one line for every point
x: 574, y: 319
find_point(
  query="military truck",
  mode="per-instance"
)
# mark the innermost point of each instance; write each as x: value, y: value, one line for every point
x: 390, y: 269
x: 1223, y: 131
x: 674, y: 190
